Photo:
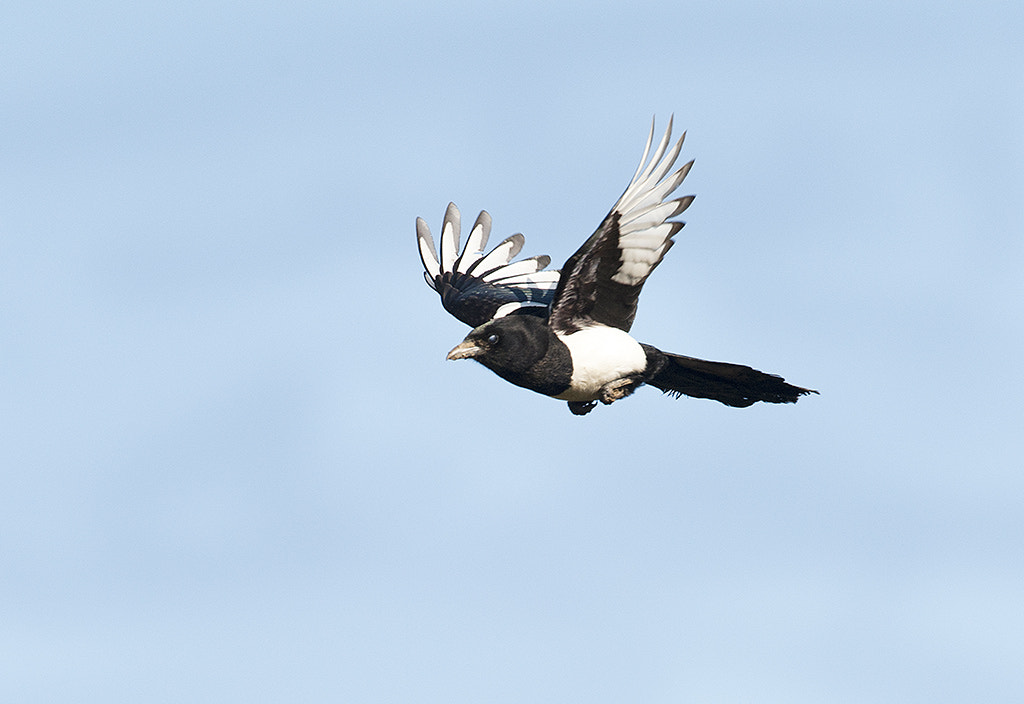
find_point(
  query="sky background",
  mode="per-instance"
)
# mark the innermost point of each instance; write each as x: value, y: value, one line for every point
x: 236, y: 466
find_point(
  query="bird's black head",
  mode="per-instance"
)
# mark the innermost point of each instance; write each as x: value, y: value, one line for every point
x: 506, y: 345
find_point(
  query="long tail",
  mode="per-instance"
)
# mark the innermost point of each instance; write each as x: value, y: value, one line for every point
x: 732, y: 384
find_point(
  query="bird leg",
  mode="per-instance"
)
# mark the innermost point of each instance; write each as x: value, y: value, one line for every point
x: 610, y: 393
x: 620, y: 388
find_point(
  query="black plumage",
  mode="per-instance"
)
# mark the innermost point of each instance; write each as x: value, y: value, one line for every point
x: 522, y: 350
x: 565, y: 334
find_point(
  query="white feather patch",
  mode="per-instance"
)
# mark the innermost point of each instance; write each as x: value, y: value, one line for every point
x: 632, y: 273
x: 449, y: 244
x: 600, y: 355
x: 514, y: 306
x: 523, y: 267
x: 429, y: 259
x: 474, y: 248
x: 645, y: 233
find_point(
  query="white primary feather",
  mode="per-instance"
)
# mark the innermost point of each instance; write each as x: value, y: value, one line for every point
x: 450, y: 230
x: 431, y: 266
x: 476, y: 243
x: 495, y: 267
x: 544, y: 280
x: 512, y: 307
x: 644, y: 229
x: 500, y: 256
x: 521, y: 268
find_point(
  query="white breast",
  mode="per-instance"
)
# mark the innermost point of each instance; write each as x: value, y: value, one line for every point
x: 600, y: 355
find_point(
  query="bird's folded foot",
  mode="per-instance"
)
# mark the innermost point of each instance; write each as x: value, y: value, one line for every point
x: 619, y: 389
x: 581, y: 408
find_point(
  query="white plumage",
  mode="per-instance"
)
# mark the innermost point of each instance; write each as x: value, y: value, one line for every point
x: 600, y: 355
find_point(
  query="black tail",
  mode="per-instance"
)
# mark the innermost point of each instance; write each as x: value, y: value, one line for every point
x: 732, y: 384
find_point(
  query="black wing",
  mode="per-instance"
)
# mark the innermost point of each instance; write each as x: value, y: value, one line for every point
x: 477, y: 287
x: 601, y: 282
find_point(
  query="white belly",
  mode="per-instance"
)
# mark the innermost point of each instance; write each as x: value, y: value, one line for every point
x: 600, y: 355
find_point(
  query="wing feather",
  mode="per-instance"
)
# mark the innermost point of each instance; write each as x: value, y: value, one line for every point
x: 498, y: 257
x: 521, y: 267
x: 476, y: 243
x: 428, y: 255
x: 450, y: 231
x: 476, y: 287
x: 601, y: 282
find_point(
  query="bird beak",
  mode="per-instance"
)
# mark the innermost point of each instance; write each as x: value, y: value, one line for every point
x: 465, y: 350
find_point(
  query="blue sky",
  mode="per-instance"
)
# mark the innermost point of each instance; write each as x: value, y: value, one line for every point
x: 236, y: 466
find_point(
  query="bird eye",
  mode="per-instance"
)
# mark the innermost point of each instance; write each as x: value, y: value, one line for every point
x: 493, y: 338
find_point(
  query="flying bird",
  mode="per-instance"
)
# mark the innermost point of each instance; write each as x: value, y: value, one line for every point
x: 565, y: 334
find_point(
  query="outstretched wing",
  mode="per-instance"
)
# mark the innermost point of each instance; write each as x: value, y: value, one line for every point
x: 601, y: 282
x: 477, y: 287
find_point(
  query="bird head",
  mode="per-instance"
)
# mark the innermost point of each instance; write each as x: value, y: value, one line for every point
x: 511, y: 343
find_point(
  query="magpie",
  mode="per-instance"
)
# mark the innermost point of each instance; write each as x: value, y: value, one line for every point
x: 565, y: 334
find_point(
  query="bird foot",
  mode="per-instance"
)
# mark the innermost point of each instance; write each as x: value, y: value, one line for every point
x: 581, y: 408
x: 619, y: 389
